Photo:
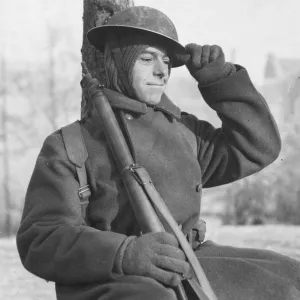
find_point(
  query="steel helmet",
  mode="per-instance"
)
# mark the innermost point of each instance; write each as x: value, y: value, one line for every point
x: 141, y: 20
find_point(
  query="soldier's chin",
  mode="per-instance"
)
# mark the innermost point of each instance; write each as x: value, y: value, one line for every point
x: 154, y: 98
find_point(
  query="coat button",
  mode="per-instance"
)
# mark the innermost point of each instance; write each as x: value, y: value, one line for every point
x: 128, y: 116
x: 198, y: 188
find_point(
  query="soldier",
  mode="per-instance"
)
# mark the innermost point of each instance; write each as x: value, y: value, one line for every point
x: 106, y: 257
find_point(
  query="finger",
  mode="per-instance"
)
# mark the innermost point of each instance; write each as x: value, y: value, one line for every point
x: 171, y: 251
x: 215, y: 52
x: 172, y: 264
x: 164, y: 277
x: 196, y: 57
x: 205, y: 55
x: 166, y: 238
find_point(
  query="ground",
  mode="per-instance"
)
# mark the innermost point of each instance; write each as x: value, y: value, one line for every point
x: 17, y: 284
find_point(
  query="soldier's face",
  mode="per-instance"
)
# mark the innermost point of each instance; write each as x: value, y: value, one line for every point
x: 150, y: 75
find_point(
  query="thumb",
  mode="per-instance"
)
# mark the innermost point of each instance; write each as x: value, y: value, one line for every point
x: 195, y: 51
x: 185, y: 57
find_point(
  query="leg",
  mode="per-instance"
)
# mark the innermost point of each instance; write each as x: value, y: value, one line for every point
x: 122, y: 288
x: 276, y: 263
x: 242, y: 273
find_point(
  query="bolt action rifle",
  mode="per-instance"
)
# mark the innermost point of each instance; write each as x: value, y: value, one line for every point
x: 143, y: 196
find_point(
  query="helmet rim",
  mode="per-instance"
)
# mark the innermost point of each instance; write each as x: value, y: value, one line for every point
x: 98, y: 35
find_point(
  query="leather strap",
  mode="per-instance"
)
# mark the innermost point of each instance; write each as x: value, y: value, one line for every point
x: 77, y: 154
x: 205, y: 291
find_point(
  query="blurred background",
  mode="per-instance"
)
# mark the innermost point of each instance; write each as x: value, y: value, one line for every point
x: 40, y: 43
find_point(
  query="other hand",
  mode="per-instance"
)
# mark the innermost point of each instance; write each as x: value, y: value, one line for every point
x: 158, y: 256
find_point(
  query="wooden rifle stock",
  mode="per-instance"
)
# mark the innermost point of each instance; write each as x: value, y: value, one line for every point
x: 142, y: 194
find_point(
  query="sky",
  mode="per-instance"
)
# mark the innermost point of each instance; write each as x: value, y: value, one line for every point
x: 251, y: 28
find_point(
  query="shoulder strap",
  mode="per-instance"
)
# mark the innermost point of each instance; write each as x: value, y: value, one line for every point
x: 77, y: 154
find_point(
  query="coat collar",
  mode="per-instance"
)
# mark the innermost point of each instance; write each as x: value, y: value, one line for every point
x: 118, y: 100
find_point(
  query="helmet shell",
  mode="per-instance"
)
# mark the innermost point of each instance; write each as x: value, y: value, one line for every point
x: 141, y: 20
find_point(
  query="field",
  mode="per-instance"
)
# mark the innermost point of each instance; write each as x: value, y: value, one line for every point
x: 17, y: 284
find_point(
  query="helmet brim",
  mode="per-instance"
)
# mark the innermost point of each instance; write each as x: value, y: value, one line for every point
x: 97, y: 36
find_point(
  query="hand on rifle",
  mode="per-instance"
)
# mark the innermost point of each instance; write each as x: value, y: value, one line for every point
x: 156, y: 255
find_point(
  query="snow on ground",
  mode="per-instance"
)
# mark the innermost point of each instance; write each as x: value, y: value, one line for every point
x: 280, y: 238
x: 17, y: 284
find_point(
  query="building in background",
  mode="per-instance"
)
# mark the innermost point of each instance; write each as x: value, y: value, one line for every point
x: 281, y: 87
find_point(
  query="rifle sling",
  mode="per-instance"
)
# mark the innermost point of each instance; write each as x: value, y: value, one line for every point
x: 109, y: 121
x: 141, y: 175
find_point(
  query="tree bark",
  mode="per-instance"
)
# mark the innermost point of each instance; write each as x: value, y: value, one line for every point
x: 95, y: 12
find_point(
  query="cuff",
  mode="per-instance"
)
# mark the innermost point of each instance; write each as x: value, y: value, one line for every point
x: 234, y: 86
x: 117, y: 268
x: 228, y: 70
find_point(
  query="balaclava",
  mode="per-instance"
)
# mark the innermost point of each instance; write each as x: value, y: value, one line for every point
x: 129, y: 48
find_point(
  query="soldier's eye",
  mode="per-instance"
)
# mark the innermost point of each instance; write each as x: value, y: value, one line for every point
x: 147, y: 59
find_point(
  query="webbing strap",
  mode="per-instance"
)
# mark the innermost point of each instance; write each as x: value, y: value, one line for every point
x: 77, y: 154
x: 84, y: 191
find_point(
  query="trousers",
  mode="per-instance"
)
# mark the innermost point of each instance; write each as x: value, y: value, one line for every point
x: 234, y: 273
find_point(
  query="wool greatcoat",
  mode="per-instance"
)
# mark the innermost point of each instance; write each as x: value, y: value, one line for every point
x: 182, y: 154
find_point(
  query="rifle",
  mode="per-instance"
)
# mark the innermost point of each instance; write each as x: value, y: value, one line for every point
x: 143, y: 196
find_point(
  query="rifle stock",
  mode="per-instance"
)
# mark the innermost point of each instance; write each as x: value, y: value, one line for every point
x: 142, y: 194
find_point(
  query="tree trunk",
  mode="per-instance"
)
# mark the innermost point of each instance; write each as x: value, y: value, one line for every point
x: 95, y: 13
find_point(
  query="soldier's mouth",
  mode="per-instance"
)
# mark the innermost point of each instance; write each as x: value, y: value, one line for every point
x: 155, y: 84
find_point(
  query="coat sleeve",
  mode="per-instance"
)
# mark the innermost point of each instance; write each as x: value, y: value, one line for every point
x: 53, y: 240
x: 248, y: 139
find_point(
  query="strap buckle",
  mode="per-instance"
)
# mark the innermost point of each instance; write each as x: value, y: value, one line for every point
x: 84, y: 192
x: 134, y: 169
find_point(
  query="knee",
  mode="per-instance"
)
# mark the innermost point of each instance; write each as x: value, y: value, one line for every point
x: 122, y: 288
x: 292, y: 293
x: 132, y: 287
x: 146, y: 288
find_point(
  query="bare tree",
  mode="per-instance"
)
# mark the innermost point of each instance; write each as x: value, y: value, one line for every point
x: 95, y: 12
x: 58, y: 107
x: 7, y: 229
x: 50, y: 88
